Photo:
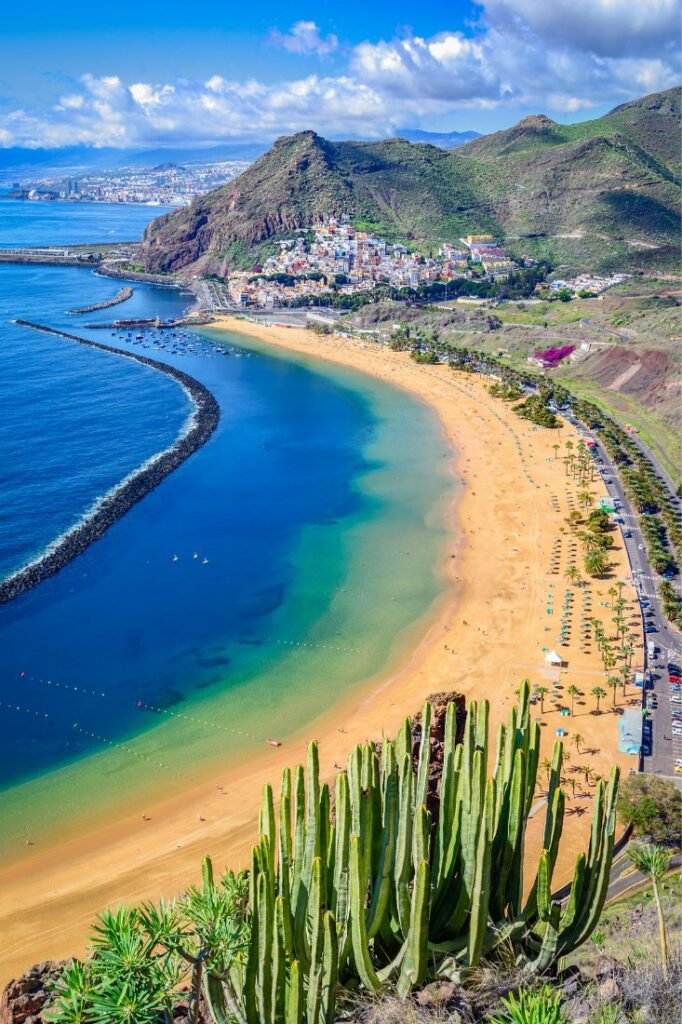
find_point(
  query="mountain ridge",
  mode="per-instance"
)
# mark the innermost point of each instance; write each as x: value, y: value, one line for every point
x: 594, y: 194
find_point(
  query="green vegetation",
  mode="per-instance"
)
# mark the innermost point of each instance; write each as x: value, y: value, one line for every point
x: 529, y: 1007
x: 394, y: 887
x: 653, y: 862
x: 652, y: 806
x: 535, y: 409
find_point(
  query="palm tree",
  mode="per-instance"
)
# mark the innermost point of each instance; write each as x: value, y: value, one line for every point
x: 653, y: 862
x: 585, y: 498
x: 556, y: 448
x: 613, y: 682
x: 595, y: 563
x: 546, y: 766
x: 598, y: 692
x: 577, y: 740
x: 540, y: 692
x: 625, y: 677
x: 573, y: 692
x: 572, y: 574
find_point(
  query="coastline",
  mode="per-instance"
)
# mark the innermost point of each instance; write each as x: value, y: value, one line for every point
x: 200, y: 424
x: 479, y: 642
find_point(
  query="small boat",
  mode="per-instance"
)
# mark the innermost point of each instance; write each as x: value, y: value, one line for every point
x: 205, y: 561
x: 175, y: 558
x: 273, y: 743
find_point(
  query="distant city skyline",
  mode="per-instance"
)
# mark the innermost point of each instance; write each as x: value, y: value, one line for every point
x: 153, y: 75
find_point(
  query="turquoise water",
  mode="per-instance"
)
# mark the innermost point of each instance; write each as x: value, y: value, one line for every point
x: 315, y: 514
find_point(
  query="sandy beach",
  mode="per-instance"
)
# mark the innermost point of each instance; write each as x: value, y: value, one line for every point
x: 502, y: 612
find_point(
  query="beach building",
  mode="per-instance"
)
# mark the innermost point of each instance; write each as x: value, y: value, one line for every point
x: 607, y: 504
x: 630, y: 731
x: 552, y: 658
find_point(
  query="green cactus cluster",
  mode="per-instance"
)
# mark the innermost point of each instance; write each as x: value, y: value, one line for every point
x: 378, y: 893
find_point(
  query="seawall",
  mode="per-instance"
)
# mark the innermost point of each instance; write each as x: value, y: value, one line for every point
x: 140, y: 482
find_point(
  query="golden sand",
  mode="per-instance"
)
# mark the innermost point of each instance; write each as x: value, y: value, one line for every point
x: 510, y: 549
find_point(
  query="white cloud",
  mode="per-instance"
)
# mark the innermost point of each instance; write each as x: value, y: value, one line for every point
x: 606, y: 28
x: 562, y: 57
x: 305, y: 37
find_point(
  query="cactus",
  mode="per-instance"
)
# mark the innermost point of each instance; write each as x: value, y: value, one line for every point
x: 376, y: 894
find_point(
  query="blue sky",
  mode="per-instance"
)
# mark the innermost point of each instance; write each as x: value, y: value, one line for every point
x: 151, y: 74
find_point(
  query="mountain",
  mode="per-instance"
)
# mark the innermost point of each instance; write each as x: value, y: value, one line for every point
x: 76, y: 160
x: 603, y: 194
x: 446, y: 140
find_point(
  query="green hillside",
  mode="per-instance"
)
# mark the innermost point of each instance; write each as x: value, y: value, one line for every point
x: 597, y: 195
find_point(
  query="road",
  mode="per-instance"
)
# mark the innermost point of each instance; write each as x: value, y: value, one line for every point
x: 624, y: 878
x: 661, y: 749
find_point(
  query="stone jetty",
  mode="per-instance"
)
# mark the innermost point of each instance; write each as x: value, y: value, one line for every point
x: 139, y: 483
x: 121, y: 296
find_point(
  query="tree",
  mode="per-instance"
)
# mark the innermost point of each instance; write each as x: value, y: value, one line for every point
x: 585, y: 498
x: 624, y: 677
x: 598, y: 692
x: 653, y: 806
x: 572, y: 574
x: 573, y: 692
x: 577, y: 740
x: 540, y: 692
x: 613, y: 682
x: 653, y: 862
x: 595, y: 563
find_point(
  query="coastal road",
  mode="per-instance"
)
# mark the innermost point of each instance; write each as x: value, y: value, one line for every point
x: 661, y: 748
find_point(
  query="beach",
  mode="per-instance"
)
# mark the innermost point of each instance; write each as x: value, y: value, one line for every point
x: 494, y: 626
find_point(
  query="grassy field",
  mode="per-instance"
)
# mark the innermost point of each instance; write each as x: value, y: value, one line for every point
x: 660, y: 437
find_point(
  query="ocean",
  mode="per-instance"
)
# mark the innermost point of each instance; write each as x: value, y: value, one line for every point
x: 287, y: 561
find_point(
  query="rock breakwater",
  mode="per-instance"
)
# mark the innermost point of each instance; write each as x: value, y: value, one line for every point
x: 140, y: 482
x: 121, y: 296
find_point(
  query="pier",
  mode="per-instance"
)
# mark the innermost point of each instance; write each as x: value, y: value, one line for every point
x: 140, y: 482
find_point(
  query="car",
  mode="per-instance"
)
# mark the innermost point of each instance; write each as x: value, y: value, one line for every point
x: 628, y: 534
x: 674, y: 678
x: 678, y: 769
x: 640, y: 547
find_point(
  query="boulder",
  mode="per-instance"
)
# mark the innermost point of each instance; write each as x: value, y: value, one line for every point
x: 24, y: 999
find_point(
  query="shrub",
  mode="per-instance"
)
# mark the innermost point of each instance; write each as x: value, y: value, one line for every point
x: 531, y: 1007
x: 653, y: 806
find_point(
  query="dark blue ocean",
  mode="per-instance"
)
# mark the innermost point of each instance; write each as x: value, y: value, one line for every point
x: 263, y: 577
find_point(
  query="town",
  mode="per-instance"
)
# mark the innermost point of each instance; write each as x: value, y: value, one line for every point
x: 334, y: 260
x: 167, y: 184
x: 335, y: 257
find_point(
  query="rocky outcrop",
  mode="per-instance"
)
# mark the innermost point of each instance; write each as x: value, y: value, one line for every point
x: 25, y: 998
x: 439, y: 705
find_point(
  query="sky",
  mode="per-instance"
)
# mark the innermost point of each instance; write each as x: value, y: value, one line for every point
x: 146, y: 73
